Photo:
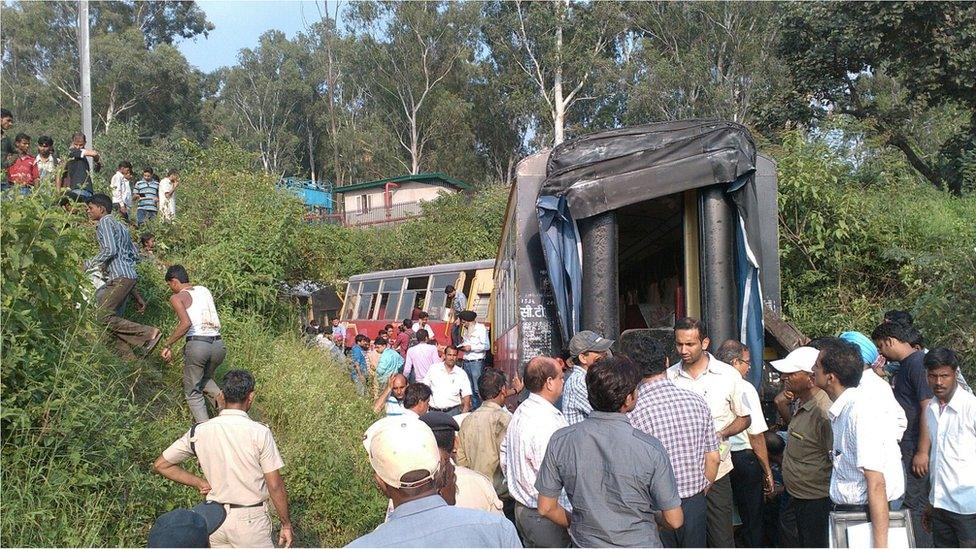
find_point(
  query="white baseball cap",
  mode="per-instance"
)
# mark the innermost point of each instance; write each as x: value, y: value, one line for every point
x: 800, y: 359
x: 399, y: 447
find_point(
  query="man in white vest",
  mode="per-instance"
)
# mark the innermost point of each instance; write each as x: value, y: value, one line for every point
x: 204, y: 350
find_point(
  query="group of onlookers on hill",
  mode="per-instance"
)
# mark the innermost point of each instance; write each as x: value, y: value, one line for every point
x: 25, y: 170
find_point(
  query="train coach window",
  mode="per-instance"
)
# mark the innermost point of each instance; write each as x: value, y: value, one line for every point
x: 406, y: 304
x: 352, y: 300
x: 437, y: 305
x: 389, y: 299
x: 367, y: 297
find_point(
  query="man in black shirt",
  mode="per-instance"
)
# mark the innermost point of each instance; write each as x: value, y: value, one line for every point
x: 77, y: 176
x: 8, y: 154
x: 912, y: 391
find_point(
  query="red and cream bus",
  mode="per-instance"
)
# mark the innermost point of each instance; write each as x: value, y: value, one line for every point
x: 373, y: 300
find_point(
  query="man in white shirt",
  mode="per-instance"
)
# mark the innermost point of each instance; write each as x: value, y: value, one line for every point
x: 167, y: 195
x: 751, y: 474
x: 867, y: 461
x: 874, y: 388
x: 421, y: 324
x: 524, y: 447
x: 474, y: 343
x: 449, y: 386
x: 720, y: 385
x: 121, y: 189
x: 951, y: 419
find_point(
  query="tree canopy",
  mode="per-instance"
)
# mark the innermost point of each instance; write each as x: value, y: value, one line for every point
x: 380, y: 87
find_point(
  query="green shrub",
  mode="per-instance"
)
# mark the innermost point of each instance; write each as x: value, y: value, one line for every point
x: 455, y: 227
x: 852, y: 249
x: 234, y: 232
x: 81, y: 427
x: 318, y: 422
x: 76, y: 446
x: 42, y: 299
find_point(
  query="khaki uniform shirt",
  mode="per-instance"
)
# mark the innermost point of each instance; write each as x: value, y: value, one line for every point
x: 474, y: 491
x: 234, y: 453
x: 806, y: 461
x: 480, y: 440
x: 720, y: 385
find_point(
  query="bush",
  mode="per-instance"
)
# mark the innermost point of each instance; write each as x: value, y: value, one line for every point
x: 318, y: 422
x: 81, y: 427
x: 76, y: 446
x: 234, y: 232
x: 852, y: 249
x: 42, y: 297
x: 451, y: 230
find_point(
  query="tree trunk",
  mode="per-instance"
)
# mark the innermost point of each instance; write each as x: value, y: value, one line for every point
x: 331, y: 82
x: 414, y: 146
x: 900, y: 142
x: 559, y: 106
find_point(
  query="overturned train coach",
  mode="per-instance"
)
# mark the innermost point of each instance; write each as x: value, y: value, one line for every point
x: 631, y: 228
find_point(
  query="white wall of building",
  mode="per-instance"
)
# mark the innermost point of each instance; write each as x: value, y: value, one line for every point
x: 406, y: 193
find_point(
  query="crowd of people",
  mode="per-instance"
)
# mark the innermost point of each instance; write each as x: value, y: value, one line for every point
x: 618, y: 447
x: 607, y: 445
x: 25, y: 170
x: 613, y: 445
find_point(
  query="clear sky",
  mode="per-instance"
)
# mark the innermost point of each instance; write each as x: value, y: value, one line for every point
x: 239, y: 23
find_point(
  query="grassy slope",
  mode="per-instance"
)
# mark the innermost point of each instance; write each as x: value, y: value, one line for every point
x: 77, y: 456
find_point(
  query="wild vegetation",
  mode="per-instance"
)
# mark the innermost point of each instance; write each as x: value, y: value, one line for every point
x: 81, y: 427
x: 380, y: 88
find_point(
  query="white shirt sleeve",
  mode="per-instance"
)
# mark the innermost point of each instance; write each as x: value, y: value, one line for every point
x: 870, y: 441
x: 751, y: 400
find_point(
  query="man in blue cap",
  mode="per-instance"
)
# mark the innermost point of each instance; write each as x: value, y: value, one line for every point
x: 877, y: 389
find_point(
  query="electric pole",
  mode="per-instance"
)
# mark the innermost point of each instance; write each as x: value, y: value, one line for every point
x: 83, y: 52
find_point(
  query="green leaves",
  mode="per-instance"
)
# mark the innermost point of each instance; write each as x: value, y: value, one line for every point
x: 855, y: 243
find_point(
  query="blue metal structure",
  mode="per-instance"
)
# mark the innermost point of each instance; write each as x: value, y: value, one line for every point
x: 314, y: 194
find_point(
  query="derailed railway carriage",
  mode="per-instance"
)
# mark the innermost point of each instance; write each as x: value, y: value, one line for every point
x: 629, y: 229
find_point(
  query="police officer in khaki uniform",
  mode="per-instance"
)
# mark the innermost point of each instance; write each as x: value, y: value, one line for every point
x: 241, y: 464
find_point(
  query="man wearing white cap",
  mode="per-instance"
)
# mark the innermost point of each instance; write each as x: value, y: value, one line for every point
x: 407, y: 468
x: 806, y: 461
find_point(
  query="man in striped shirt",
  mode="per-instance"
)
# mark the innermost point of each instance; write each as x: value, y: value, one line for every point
x: 867, y: 472
x: 117, y: 257
x: 682, y: 421
x: 392, y: 398
x: 585, y: 348
x: 146, y: 193
x: 524, y: 447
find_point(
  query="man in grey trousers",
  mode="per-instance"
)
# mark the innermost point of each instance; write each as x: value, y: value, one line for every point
x: 204, y: 350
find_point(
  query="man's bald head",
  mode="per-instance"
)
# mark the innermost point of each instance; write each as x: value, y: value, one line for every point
x: 399, y: 385
x: 539, y: 370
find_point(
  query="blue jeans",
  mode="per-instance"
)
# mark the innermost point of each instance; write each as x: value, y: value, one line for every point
x: 25, y: 190
x: 358, y: 378
x: 474, y: 368
x: 144, y: 215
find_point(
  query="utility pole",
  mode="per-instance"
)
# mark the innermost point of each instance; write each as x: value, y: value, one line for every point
x: 83, y: 51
